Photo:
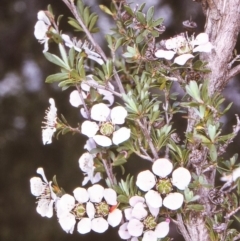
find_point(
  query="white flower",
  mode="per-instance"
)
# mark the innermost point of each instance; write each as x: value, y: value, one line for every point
x: 173, y: 201
x: 95, y: 220
x: 41, y: 28
x: 183, y: 46
x: 86, y: 164
x: 146, y: 181
x: 107, y: 120
x: 50, y: 123
x: 79, y: 46
x: 43, y: 191
x: 181, y: 178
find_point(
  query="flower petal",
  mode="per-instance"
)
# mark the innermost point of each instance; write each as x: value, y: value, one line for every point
x: 123, y: 231
x: 118, y: 115
x: 166, y: 54
x: 100, y: 112
x: 84, y: 225
x: 45, y: 207
x: 90, y: 209
x: 81, y: 194
x: 115, y: 217
x: 89, y: 128
x: 145, y: 180
x: 90, y: 144
x: 182, y: 59
x: 67, y: 222
x: 86, y: 163
x: 139, y: 212
x: 37, y: 186
x: 43, y: 17
x: 40, y: 30
x: 149, y: 236
x: 181, y: 177
x: 135, y: 227
x: 136, y: 199
x: 173, y: 201
x: 110, y: 196
x: 99, y: 225
x: 96, y: 193
x: 162, y: 229
x: 162, y: 167
x: 75, y: 99
x: 47, y: 135
x: 153, y: 199
x: 206, y: 48
x: 102, y: 140
x: 121, y: 135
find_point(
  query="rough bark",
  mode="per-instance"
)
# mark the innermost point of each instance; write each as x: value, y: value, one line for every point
x: 222, y: 26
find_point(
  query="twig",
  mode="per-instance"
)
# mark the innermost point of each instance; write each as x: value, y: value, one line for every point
x: 229, y: 66
x: 182, y: 228
x: 72, y: 8
x: 83, y: 102
x: 150, y: 143
x: 233, y: 72
x: 102, y: 87
x: 108, y: 169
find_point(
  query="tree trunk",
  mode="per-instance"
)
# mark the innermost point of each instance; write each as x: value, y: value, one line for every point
x: 222, y: 26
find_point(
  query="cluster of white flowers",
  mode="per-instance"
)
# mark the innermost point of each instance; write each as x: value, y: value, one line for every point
x: 44, y: 192
x: 142, y: 220
x: 86, y: 164
x: 91, y: 210
x: 79, y: 46
x: 41, y: 28
x: 184, y: 47
x: 162, y: 167
x: 105, y: 132
x: 50, y: 123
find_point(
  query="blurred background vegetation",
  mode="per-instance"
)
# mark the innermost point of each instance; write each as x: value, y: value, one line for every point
x: 24, y: 99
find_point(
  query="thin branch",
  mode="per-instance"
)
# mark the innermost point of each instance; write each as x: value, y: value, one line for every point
x: 72, y: 8
x: 150, y: 143
x: 182, y: 228
x: 233, y: 72
x: 108, y: 169
x: 102, y: 87
x: 83, y: 102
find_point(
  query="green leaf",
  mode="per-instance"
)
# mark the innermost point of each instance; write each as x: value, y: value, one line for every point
x: 213, y: 152
x: 86, y: 14
x: 105, y: 10
x: 55, y: 60
x: 71, y: 57
x: 141, y: 18
x: 123, y: 199
x: 63, y: 54
x: 195, y: 207
x: 92, y: 22
x: 150, y: 14
x: 57, y: 77
x: 193, y: 90
x: 157, y: 22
